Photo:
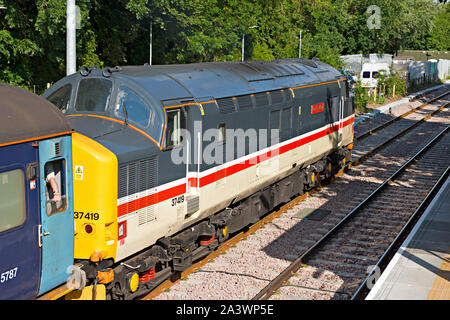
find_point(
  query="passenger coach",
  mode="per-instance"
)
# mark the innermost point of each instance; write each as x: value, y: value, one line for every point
x: 36, y: 206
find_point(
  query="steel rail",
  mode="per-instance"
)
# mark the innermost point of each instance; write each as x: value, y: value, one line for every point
x: 388, y: 123
x: 363, y: 290
x: 287, y: 273
x: 398, y: 135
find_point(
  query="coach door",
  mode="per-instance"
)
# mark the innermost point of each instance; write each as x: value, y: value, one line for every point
x: 57, y: 226
x: 19, y: 212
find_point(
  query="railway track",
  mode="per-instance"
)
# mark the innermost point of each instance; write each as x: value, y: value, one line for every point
x: 337, y: 266
x: 374, y: 121
x: 374, y: 139
x: 261, y: 278
x: 389, y: 121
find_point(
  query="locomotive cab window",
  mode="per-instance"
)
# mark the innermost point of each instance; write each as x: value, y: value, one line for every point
x: 61, y: 97
x: 175, y: 122
x: 131, y: 106
x: 93, y: 95
x: 55, y: 188
x: 12, y: 199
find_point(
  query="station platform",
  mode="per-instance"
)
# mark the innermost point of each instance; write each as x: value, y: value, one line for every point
x: 420, y: 270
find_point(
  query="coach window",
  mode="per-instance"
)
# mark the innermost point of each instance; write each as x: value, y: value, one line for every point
x: 175, y: 122
x: 12, y: 199
x: 93, y: 95
x: 55, y: 188
x: 131, y: 106
x: 61, y: 97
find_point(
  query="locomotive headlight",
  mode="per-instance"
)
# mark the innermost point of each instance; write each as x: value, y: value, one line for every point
x: 88, y: 228
x: 133, y: 281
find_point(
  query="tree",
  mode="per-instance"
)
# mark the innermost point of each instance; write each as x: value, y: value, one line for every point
x: 33, y: 32
x: 440, y: 32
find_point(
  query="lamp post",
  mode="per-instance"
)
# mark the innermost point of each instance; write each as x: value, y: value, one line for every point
x: 71, y: 55
x: 243, y: 41
x: 300, y: 45
x: 151, y: 39
x: 151, y: 42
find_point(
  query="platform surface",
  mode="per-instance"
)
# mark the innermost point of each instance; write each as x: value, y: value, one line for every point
x: 420, y: 270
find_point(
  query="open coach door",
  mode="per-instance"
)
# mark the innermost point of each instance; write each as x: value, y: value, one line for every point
x: 56, y: 232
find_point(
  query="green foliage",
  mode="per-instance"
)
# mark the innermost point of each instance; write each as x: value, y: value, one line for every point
x: 395, y: 80
x: 261, y: 51
x: 440, y: 33
x: 361, y: 98
x: 33, y: 32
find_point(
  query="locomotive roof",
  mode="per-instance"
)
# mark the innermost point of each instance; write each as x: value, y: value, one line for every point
x: 27, y: 116
x: 225, y: 79
x: 219, y: 79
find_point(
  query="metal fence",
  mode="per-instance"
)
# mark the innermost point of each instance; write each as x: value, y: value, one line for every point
x: 354, y: 62
x: 417, y: 72
x: 443, y: 66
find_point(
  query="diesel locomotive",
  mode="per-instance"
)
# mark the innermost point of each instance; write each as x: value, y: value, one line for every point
x: 169, y: 160
x: 36, y: 197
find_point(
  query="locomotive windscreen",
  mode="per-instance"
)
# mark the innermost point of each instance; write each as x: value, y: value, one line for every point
x: 93, y: 95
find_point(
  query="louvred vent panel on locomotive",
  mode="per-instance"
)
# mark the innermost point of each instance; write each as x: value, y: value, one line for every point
x: 277, y: 96
x: 226, y: 105
x: 261, y: 99
x: 135, y: 182
x: 245, y: 102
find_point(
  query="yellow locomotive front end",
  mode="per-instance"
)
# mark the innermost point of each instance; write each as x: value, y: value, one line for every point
x: 95, y: 200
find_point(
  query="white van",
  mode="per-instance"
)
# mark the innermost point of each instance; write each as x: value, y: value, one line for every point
x: 369, y: 71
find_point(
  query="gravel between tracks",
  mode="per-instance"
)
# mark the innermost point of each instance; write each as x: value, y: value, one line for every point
x: 244, y: 269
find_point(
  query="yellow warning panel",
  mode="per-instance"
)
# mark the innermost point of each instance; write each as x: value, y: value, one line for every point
x: 88, y: 293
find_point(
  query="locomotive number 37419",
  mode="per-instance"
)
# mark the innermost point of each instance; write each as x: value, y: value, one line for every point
x: 86, y: 215
x: 177, y: 200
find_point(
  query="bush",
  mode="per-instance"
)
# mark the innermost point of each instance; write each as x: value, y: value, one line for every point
x: 388, y: 81
x: 360, y: 96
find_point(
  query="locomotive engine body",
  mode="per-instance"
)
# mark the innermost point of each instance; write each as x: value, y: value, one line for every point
x: 169, y: 160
